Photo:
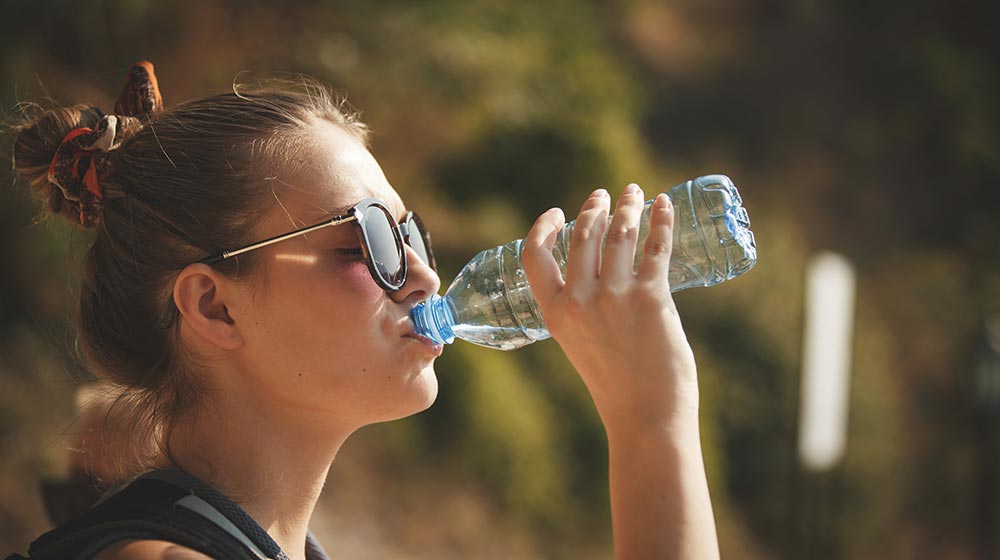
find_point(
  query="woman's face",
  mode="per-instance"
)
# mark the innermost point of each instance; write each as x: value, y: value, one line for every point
x: 320, y: 336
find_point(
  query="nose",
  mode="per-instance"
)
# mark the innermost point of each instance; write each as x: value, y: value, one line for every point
x: 421, y: 280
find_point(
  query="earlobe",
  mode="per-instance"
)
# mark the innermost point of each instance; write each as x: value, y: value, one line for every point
x: 201, y: 295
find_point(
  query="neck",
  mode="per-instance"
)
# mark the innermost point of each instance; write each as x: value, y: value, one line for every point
x: 272, y: 464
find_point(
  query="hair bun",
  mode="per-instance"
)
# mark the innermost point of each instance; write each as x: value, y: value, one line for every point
x: 63, y: 152
x: 36, y: 141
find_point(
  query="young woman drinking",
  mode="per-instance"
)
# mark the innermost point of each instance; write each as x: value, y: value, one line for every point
x: 248, y: 290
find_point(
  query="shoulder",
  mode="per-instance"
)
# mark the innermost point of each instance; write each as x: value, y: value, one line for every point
x: 149, y: 550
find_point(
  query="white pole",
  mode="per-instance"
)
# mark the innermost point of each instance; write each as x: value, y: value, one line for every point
x: 826, y: 361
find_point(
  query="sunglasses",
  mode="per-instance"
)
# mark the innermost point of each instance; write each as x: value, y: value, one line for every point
x: 382, y: 243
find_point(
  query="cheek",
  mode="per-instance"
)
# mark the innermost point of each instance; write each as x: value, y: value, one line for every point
x: 358, y: 280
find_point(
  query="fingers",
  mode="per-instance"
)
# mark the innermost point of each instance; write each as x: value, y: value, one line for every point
x: 584, y: 259
x: 659, y: 243
x: 540, y: 266
x: 619, y: 250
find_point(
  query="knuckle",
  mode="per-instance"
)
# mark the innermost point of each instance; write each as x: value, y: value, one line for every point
x: 575, y: 307
x: 582, y: 234
x: 621, y: 234
x: 651, y: 292
x: 657, y: 248
x: 609, y: 297
x: 575, y: 303
x: 647, y: 296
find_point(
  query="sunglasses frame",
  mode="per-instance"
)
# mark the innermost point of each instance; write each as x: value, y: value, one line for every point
x: 400, y: 230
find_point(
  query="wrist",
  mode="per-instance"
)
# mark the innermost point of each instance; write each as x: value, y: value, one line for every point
x: 680, y: 420
x: 658, y: 407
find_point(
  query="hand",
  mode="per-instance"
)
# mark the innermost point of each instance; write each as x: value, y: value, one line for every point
x: 619, y: 328
x: 621, y: 331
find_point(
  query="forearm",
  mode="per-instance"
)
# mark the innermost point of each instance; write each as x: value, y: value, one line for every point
x: 621, y: 330
x: 660, y: 503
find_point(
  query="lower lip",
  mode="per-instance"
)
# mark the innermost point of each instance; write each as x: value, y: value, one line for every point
x: 434, y: 347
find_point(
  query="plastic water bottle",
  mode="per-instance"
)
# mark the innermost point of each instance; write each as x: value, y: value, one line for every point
x: 490, y: 303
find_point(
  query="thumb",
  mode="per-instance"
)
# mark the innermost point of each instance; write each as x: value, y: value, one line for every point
x: 540, y: 266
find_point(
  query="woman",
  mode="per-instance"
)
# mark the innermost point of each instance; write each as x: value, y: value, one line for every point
x: 249, y: 364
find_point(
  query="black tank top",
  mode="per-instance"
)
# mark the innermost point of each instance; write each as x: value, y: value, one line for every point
x: 166, y: 505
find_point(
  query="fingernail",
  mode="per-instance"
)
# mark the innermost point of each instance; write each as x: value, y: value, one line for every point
x: 599, y: 193
x: 631, y: 188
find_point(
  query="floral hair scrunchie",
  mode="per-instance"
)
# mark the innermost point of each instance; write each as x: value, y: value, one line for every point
x: 80, y: 164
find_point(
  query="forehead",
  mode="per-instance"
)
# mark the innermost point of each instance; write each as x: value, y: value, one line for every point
x: 336, y: 171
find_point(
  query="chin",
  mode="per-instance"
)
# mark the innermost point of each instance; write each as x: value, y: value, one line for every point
x: 426, y: 389
x: 420, y: 393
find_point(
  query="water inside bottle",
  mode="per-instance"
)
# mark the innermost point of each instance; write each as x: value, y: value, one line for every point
x: 501, y: 338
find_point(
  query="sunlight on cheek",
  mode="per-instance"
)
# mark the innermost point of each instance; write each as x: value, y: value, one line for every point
x: 356, y: 275
x: 296, y: 259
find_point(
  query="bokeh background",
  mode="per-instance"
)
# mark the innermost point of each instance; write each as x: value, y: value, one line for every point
x: 869, y: 128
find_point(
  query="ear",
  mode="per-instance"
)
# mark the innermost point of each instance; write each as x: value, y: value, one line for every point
x: 201, y: 294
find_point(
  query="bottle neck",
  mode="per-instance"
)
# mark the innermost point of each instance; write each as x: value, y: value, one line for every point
x: 434, y: 319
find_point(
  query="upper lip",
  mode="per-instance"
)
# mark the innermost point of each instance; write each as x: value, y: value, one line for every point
x: 415, y: 334
x: 411, y: 332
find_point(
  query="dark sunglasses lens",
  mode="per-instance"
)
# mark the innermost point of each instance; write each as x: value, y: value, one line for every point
x: 419, y: 240
x: 384, y: 249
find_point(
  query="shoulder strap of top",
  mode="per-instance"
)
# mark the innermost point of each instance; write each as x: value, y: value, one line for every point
x: 213, y: 505
x: 144, y: 509
x: 169, y: 506
x: 233, y: 519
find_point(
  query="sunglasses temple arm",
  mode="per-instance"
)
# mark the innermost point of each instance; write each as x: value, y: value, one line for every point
x: 336, y: 221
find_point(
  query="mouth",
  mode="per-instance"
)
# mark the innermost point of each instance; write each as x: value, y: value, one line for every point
x: 434, y: 347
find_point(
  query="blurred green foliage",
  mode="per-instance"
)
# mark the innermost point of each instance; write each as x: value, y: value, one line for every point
x: 865, y: 128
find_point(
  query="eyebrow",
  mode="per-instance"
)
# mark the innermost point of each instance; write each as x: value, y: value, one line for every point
x: 321, y: 215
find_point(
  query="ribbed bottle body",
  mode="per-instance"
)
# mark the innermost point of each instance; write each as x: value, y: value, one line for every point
x: 490, y: 303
